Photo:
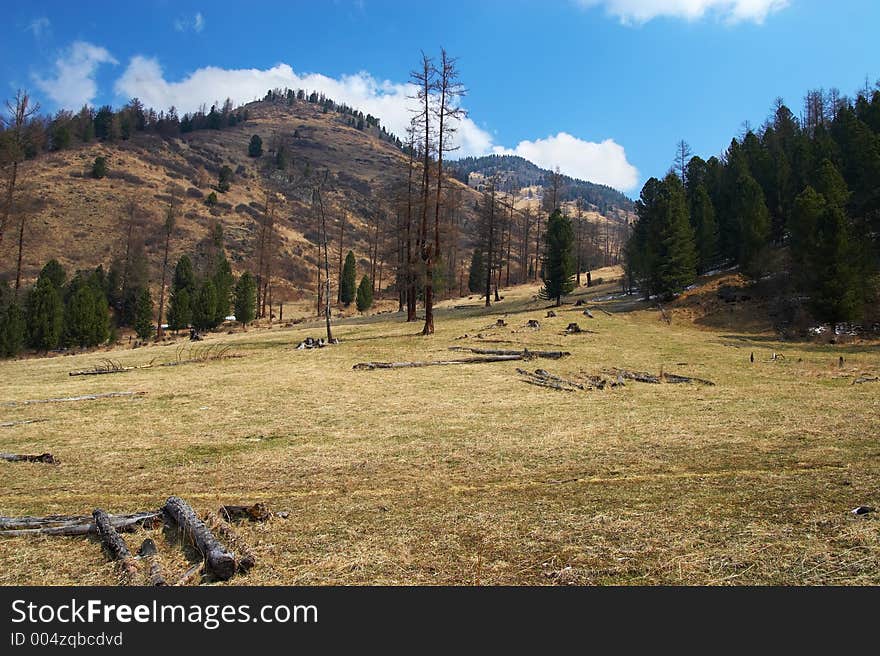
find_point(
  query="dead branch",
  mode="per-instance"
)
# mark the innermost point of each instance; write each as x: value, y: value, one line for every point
x: 866, y: 379
x: 639, y: 376
x: 245, y: 557
x: 48, y: 458
x: 22, y: 422
x: 219, y: 562
x: 207, y: 354
x: 543, y: 378
x: 116, y: 547
x: 675, y: 378
x: 526, y: 353
x: 84, y: 397
x: 664, y: 315
x: 72, y: 525
x: 189, y: 575
x: 369, y: 366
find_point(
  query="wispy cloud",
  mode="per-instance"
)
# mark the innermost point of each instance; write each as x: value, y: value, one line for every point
x: 604, y: 162
x: 195, y: 23
x: 72, y: 83
x: 39, y: 26
x: 730, y: 11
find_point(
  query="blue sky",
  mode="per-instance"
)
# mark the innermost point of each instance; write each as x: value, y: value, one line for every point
x: 602, y: 88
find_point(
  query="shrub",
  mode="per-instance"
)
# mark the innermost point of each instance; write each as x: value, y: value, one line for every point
x: 99, y: 168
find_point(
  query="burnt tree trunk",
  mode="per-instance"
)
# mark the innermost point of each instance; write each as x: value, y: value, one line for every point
x: 116, y: 547
x: 219, y: 562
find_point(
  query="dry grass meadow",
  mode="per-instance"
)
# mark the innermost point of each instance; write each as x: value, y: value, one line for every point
x: 464, y: 474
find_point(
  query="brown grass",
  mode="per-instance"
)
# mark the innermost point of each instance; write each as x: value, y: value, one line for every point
x: 465, y: 474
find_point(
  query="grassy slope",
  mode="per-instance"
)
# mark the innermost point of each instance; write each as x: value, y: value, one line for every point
x: 465, y: 474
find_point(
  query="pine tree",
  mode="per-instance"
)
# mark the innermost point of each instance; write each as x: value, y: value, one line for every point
x: 205, y: 307
x: 836, y: 292
x: 223, y: 287
x: 45, y: 315
x: 179, y: 309
x: 364, y: 294
x: 558, y: 273
x: 245, y: 299
x: 705, y: 228
x: 347, y: 286
x: 143, y: 318
x: 13, y: 329
x: 255, y: 148
x: 86, y: 314
x: 224, y: 179
x: 754, y: 225
x: 677, y: 257
x: 55, y: 273
x: 477, y: 273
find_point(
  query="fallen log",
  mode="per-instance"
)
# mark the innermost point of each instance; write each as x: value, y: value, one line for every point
x: 21, y: 422
x: 71, y: 525
x: 369, y: 366
x: 866, y: 379
x: 259, y: 512
x: 588, y: 314
x: 639, y: 376
x: 48, y: 458
x: 675, y: 378
x: 149, y: 553
x: 112, y: 367
x: 526, y: 353
x: 604, y: 311
x: 219, y: 562
x: 543, y: 378
x: 69, y: 399
x: 245, y: 557
x: 116, y: 547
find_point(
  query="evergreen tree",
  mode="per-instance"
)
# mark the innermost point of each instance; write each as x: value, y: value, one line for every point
x: 204, y: 309
x: 223, y: 281
x: 836, y: 293
x: 477, y: 273
x: 705, y: 228
x: 143, y: 318
x: 676, y: 257
x: 255, y: 148
x: 245, y: 299
x: 224, y: 179
x: 86, y: 314
x: 347, y: 286
x: 13, y: 328
x: 55, y: 273
x: 754, y: 225
x: 558, y: 273
x: 364, y: 294
x: 45, y: 315
x: 179, y: 309
x: 99, y: 168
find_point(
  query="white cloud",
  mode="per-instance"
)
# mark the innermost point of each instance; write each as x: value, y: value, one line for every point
x: 603, y: 163
x: 196, y: 23
x: 73, y: 83
x: 39, y: 26
x: 731, y: 11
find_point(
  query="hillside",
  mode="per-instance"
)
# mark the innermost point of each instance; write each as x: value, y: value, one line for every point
x: 522, y: 174
x: 81, y: 221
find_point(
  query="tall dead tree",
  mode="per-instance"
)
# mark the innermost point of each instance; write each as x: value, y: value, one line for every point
x: 19, y: 112
x: 490, y: 234
x: 170, y: 217
x: 682, y: 157
x: 410, y: 251
x: 425, y: 80
x: 579, y: 238
x: 342, y: 217
x: 448, y: 113
x: 318, y: 207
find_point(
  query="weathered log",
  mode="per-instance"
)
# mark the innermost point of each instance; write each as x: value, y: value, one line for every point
x: 526, y: 353
x: 219, y: 562
x: 866, y: 379
x: 244, y: 556
x: 48, y: 458
x: 114, y: 368
x: 259, y: 512
x: 638, y: 376
x: 150, y: 554
x: 588, y: 314
x: 21, y: 422
x: 675, y: 378
x: 68, y: 399
x: 116, y: 547
x: 604, y: 311
x: 544, y: 378
x: 369, y: 366
x: 73, y: 525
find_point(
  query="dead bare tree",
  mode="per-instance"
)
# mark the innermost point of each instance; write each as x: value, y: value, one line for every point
x: 318, y: 207
x: 410, y: 252
x: 448, y: 113
x: 425, y: 80
x: 342, y: 217
x: 490, y: 245
x: 20, y: 111
x: 170, y: 217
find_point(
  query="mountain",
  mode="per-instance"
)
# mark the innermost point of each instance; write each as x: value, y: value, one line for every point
x: 521, y: 173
